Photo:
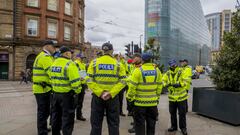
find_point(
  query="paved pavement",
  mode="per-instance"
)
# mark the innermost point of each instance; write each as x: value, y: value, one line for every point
x: 18, y: 115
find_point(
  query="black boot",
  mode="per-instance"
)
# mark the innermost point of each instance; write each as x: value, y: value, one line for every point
x: 184, y: 131
x: 81, y: 118
x: 132, y: 130
x: 172, y: 129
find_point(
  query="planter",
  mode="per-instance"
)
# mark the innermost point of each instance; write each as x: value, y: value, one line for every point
x: 220, y: 105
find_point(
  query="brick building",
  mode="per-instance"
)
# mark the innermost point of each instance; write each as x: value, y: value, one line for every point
x: 25, y: 24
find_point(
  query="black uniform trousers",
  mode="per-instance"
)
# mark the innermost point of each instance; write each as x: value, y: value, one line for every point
x: 43, y: 112
x: 80, y: 99
x: 181, y: 108
x: 63, y: 110
x: 98, y: 107
x: 145, y: 120
x: 121, y: 96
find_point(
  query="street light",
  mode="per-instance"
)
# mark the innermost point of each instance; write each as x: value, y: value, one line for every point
x: 141, y: 43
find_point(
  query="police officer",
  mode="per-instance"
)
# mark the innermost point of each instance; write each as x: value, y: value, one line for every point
x: 80, y: 97
x: 176, y: 81
x: 145, y: 87
x: 187, y: 70
x: 106, y: 79
x: 137, y: 63
x: 41, y: 85
x: 66, y: 83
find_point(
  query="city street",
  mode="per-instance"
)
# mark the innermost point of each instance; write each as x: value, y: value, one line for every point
x: 18, y: 115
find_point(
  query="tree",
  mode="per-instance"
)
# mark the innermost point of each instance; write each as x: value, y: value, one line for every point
x: 153, y: 47
x: 226, y: 73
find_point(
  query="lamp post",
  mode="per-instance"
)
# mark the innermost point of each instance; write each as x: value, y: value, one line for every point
x: 141, y: 43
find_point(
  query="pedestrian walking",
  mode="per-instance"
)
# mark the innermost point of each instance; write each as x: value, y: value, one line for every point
x: 145, y: 86
x: 106, y: 79
x: 41, y: 85
x: 79, y: 61
x: 23, y: 77
x: 176, y: 81
x: 66, y: 84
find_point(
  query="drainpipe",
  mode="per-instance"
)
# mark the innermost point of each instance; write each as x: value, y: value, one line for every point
x: 14, y: 35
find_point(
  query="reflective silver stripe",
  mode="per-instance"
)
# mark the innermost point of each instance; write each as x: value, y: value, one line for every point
x: 146, y: 96
x: 118, y: 68
x: 94, y: 66
x: 149, y: 83
x: 66, y: 67
x: 61, y: 85
x: 106, y: 83
x: 59, y: 78
x: 179, y: 93
x: 146, y: 90
x: 180, y: 98
x: 38, y: 68
x: 76, y: 87
x: 40, y: 75
x: 89, y: 80
x: 75, y: 80
x: 133, y: 83
x: 123, y: 82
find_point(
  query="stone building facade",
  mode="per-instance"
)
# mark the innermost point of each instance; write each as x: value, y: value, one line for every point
x: 25, y: 24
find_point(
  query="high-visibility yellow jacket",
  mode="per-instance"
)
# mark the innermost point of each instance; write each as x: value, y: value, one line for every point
x: 176, y: 77
x: 81, y: 67
x: 145, y: 86
x: 129, y: 69
x: 106, y: 74
x: 65, y: 76
x: 187, y: 71
x: 41, y: 67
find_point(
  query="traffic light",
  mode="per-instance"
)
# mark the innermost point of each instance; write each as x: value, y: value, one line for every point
x: 128, y: 53
x: 136, y: 49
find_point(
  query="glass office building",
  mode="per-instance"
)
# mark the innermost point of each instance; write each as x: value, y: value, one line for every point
x: 180, y: 28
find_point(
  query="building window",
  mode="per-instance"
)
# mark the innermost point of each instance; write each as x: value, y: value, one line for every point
x: 67, y: 31
x: 80, y: 12
x: 53, y: 5
x: 80, y: 36
x: 32, y: 26
x: 33, y: 3
x: 52, y: 28
x: 68, y: 8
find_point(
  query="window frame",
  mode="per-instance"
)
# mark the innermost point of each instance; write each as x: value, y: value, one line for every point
x: 57, y: 6
x: 79, y: 36
x: 27, y: 26
x: 56, y: 23
x: 70, y: 26
x: 71, y: 8
x: 38, y: 3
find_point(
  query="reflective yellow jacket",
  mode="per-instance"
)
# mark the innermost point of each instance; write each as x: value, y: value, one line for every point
x: 145, y: 85
x: 106, y: 74
x: 41, y: 67
x: 65, y: 76
x: 176, y: 77
x: 187, y: 72
x: 81, y: 67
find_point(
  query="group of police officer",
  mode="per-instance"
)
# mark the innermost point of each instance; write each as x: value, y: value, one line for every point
x: 59, y: 85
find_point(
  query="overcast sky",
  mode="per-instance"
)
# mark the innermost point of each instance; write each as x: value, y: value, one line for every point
x: 123, y: 21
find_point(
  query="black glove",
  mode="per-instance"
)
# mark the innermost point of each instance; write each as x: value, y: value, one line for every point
x: 177, y: 85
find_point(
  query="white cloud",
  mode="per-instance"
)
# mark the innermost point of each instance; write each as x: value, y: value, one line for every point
x: 123, y: 21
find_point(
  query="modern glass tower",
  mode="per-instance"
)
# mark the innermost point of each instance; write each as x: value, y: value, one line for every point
x: 180, y: 28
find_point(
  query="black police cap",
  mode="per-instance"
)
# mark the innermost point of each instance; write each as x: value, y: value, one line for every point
x: 107, y: 47
x: 48, y: 42
x: 65, y: 49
